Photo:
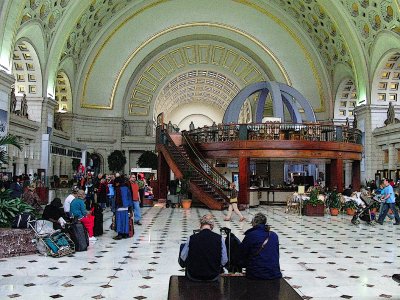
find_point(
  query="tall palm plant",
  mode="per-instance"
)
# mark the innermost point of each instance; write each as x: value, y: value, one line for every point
x: 4, y: 141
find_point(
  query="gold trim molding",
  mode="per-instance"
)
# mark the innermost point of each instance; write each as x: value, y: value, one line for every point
x: 199, y: 24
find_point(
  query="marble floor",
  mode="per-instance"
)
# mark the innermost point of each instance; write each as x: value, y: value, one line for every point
x: 321, y: 257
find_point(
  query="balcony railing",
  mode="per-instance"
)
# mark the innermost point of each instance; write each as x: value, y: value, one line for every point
x: 276, y: 131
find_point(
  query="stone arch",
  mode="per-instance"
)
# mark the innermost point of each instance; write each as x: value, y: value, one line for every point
x: 345, y: 100
x: 199, y: 120
x: 386, y: 80
x: 281, y: 94
x: 63, y: 92
x: 26, y: 70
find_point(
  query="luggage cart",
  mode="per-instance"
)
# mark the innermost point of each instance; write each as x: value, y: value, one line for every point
x: 51, y: 242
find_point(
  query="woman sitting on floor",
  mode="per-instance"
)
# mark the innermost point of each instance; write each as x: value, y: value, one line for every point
x: 54, y: 212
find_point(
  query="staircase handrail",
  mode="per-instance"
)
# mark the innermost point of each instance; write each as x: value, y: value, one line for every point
x: 204, y: 164
x: 194, y: 167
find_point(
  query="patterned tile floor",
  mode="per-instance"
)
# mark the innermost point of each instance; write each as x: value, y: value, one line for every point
x: 321, y: 257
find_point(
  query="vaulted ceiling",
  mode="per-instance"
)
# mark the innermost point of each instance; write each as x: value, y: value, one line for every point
x: 72, y: 29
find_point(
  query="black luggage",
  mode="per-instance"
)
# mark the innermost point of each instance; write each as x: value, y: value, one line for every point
x: 98, y: 220
x: 79, y: 236
x: 232, y: 244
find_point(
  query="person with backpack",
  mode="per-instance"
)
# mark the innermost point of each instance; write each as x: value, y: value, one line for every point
x: 260, y: 250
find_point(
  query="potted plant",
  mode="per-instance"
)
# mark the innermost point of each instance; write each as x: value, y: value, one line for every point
x: 9, y: 208
x: 333, y: 203
x: 350, y: 207
x: 185, y: 189
x: 315, y: 205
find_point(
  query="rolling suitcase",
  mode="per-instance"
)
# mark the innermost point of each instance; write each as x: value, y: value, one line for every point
x: 98, y: 220
x: 131, y: 227
x: 79, y: 236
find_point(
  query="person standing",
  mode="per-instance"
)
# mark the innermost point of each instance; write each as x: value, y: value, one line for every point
x: 204, y: 253
x: 260, y: 250
x: 78, y: 211
x: 233, y: 204
x: 123, y: 201
x: 389, y: 203
x: 141, y: 182
x: 110, y: 191
x: 102, y: 192
x: 16, y: 187
x: 136, y: 200
x: 69, y: 199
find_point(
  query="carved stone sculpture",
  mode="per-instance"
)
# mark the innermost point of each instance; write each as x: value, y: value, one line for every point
x: 58, y: 121
x: 13, y: 101
x: 391, y: 118
x: 355, y: 121
x: 149, y: 130
x: 24, y: 107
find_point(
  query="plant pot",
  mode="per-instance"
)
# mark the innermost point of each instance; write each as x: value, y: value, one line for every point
x: 186, y: 203
x: 334, y: 211
x: 350, y: 211
x: 314, y: 211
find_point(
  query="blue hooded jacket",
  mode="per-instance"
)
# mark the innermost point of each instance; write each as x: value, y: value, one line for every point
x: 265, y: 264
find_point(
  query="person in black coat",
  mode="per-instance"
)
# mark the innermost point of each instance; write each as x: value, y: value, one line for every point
x: 204, y: 253
x: 98, y: 220
x: 54, y: 212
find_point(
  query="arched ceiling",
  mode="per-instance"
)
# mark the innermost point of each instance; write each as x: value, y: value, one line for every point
x: 325, y: 27
x: 368, y: 18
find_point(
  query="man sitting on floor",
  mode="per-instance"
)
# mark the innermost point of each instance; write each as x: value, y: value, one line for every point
x: 204, y: 253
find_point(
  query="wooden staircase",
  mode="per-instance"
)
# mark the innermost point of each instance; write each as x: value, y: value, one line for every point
x: 202, y: 186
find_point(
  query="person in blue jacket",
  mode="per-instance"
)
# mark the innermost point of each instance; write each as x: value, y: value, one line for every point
x: 260, y: 250
x: 123, y: 204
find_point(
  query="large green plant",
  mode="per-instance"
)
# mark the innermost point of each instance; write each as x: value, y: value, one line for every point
x: 148, y: 159
x: 333, y: 200
x: 116, y: 161
x: 350, y: 204
x: 314, y: 200
x: 4, y: 141
x: 9, y: 208
x: 185, y: 183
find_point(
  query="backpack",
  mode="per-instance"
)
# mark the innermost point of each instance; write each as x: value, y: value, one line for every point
x: 23, y: 220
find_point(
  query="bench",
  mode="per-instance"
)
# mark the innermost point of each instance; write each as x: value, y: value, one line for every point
x: 230, y: 287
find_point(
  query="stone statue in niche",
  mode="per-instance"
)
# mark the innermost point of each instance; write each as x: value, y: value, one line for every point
x: 13, y: 101
x: 149, y: 129
x: 191, y: 126
x: 24, y: 107
x: 347, y: 124
x: 355, y: 121
x: 58, y: 121
x: 170, y: 127
x: 390, y: 115
x: 126, y: 129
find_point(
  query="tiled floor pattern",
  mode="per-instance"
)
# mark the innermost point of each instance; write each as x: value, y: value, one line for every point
x: 321, y: 257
